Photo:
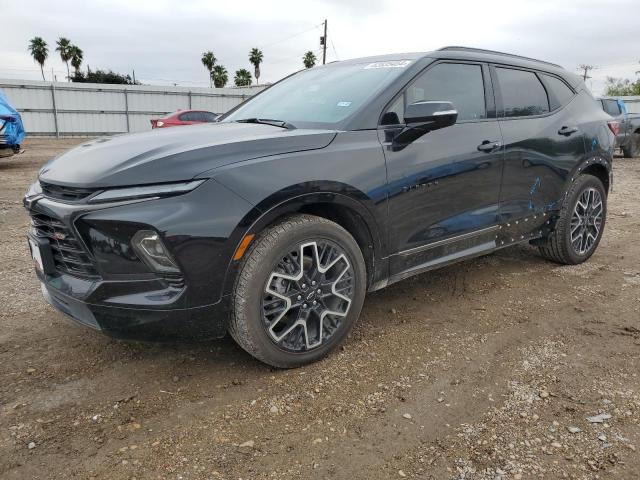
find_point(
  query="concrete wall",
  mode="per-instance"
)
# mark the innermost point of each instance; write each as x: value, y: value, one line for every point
x: 90, y: 109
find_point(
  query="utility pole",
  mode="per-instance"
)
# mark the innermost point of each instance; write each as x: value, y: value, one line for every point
x: 323, y: 43
x: 586, y: 69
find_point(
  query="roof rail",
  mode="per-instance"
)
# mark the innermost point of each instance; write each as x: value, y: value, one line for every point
x: 493, y: 52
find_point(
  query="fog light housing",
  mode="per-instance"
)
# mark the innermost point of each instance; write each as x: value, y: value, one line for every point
x: 149, y: 247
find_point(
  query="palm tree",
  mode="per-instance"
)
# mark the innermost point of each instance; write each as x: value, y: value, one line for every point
x: 76, y: 57
x: 39, y: 52
x: 209, y: 61
x: 220, y: 76
x: 242, y: 78
x: 309, y: 59
x: 64, y: 47
x: 255, y: 57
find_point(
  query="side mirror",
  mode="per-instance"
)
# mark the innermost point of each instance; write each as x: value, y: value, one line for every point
x: 422, y: 117
x: 431, y: 115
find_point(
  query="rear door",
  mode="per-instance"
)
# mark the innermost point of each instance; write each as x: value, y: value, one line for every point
x: 443, y: 188
x: 542, y: 139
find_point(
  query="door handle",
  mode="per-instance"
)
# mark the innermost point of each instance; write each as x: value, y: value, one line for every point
x: 566, y: 131
x: 488, y: 146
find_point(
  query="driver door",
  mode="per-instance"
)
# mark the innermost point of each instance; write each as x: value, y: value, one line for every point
x: 444, y: 187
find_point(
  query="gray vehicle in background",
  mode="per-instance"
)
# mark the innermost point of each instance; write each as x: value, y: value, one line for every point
x: 627, y: 112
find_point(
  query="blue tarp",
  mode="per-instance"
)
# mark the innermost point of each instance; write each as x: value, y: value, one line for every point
x: 10, y: 122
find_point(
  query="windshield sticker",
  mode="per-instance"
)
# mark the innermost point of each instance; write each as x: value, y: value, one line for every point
x: 344, y: 104
x: 389, y: 64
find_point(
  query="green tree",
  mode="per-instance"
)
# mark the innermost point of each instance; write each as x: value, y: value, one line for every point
x: 76, y: 58
x: 220, y: 76
x: 64, y: 47
x: 39, y: 52
x: 209, y: 61
x: 255, y: 57
x: 619, y: 87
x: 103, y: 76
x: 242, y: 78
x: 309, y: 59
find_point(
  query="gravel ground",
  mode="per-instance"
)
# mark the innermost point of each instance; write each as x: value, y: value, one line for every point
x: 488, y: 369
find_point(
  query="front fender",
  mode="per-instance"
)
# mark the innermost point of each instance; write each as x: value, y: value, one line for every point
x: 298, y: 198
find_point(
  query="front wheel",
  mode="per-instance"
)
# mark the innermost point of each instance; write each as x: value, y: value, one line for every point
x: 580, y: 224
x: 298, y: 292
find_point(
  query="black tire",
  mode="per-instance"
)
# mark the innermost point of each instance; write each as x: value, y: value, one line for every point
x: 633, y: 148
x: 557, y: 246
x: 248, y: 326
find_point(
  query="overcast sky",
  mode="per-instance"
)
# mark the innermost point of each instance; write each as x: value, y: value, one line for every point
x: 164, y: 40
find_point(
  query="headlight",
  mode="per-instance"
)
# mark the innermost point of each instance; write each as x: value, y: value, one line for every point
x: 144, y: 191
x: 149, y: 247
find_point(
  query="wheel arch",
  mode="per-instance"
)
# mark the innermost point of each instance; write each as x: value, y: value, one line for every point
x: 345, y: 207
x: 596, y: 166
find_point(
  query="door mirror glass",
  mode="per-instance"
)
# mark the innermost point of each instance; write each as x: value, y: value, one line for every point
x: 430, y: 115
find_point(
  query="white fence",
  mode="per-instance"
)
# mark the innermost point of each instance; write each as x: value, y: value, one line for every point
x: 91, y: 109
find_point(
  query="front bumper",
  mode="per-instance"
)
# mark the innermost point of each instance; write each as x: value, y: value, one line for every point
x: 150, y: 324
x: 94, y: 277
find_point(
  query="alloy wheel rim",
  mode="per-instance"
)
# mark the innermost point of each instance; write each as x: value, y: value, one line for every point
x: 307, y: 296
x: 586, y: 221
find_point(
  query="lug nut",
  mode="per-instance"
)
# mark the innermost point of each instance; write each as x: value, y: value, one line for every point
x: 299, y: 297
x: 314, y: 302
x: 319, y: 291
x: 313, y: 282
x: 304, y: 305
x: 304, y: 285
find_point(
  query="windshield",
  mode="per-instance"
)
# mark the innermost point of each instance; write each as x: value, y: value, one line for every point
x: 321, y: 97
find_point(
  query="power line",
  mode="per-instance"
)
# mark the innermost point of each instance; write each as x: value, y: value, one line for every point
x: 333, y: 47
x: 292, y: 36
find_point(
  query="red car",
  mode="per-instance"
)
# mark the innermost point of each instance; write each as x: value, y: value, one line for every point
x: 184, y: 117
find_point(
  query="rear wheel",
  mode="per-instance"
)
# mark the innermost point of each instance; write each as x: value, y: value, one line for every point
x: 633, y: 148
x: 299, y: 291
x: 579, y: 227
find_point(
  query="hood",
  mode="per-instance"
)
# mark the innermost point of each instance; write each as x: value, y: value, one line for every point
x: 174, y: 154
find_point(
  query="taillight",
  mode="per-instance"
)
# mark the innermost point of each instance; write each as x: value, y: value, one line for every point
x: 159, y: 123
x: 614, y: 127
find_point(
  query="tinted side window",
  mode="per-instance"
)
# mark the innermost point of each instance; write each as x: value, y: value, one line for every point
x: 611, y: 107
x: 209, y: 117
x: 460, y: 84
x: 559, y: 93
x: 186, y: 117
x: 522, y: 93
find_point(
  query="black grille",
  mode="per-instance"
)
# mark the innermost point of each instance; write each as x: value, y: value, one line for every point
x: 65, y: 193
x: 68, y: 254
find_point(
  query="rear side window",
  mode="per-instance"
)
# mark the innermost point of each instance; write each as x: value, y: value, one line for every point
x: 559, y: 93
x: 632, y: 107
x: 458, y: 83
x: 522, y: 93
x: 186, y: 117
x: 611, y: 107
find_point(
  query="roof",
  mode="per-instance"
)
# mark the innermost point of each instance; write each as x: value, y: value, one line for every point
x: 477, y: 54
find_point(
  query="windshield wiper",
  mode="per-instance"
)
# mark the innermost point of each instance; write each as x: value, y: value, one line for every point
x: 268, y: 121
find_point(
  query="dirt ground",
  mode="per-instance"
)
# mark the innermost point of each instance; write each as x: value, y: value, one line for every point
x: 483, y: 370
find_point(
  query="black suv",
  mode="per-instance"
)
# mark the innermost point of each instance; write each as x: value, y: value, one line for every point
x: 272, y: 224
